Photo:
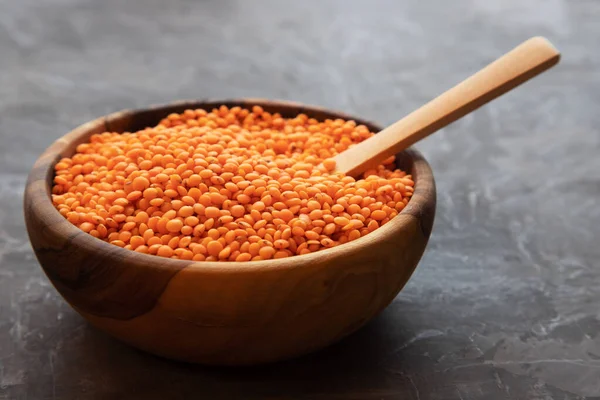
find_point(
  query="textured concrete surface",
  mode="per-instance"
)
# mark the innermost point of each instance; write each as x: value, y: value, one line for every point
x: 504, y: 304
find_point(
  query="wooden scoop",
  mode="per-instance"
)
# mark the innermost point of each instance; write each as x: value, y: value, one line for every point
x: 527, y: 60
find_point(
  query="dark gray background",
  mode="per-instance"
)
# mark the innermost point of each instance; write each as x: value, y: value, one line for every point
x: 504, y: 304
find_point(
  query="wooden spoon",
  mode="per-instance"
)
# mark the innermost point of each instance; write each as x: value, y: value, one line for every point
x: 527, y: 60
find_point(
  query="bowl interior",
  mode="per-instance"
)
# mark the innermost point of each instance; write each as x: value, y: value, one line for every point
x: 132, y: 120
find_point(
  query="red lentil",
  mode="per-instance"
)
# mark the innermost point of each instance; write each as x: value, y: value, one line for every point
x: 231, y: 184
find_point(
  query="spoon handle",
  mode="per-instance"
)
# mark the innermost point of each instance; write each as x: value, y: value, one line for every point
x: 527, y: 60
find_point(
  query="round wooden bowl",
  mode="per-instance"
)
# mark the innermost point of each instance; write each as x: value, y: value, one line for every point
x: 227, y: 313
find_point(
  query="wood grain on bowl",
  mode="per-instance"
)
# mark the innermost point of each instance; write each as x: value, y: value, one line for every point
x: 226, y: 313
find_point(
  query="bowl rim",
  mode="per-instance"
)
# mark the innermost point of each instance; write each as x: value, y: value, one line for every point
x: 40, y: 176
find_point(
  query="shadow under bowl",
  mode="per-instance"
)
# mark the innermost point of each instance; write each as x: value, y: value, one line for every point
x: 225, y: 313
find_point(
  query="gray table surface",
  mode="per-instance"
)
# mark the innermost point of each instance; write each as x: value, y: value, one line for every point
x: 504, y: 304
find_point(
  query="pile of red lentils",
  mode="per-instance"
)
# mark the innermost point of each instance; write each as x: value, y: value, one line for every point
x: 231, y: 184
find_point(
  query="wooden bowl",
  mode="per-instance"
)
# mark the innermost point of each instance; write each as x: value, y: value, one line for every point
x: 227, y: 313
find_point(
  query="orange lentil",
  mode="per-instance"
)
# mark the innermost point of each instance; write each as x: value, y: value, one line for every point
x: 212, y: 212
x: 281, y: 254
x: 315, y: 214
x: 372, y: 225
x: 174, y: 225
x: 329, y: 164
x: 164, y: 251
x: 152, y: 240
x: 186, y: 255
x: 337, y: 208
x: 378, y: 215
x: 173, y: 242
x: 214, y: 247
x: 266, y: 252
x: 281, y: 244
x: 136, y: 241
x: 199, y: 257
x: 228, y: 184
x: 238, y: 211
x: 86, y: 226
x: 142, y: 249
x: 225, y: 253
x: 254, y: 248
x: 311, y: 235
x: 128, y: 226
x: 244, y: 257
x: 140, y: 183
x: 185, y: 211
x: 353, y: 234
x: 191, y: 221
